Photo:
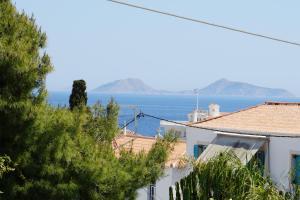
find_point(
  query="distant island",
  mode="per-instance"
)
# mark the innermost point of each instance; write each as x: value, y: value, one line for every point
x: 222, y: 87
x: 126, y: 86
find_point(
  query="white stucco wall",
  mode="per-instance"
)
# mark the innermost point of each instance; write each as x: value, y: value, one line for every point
x: 281, y: 151
x: 167, y: 126
x: 197, y: 136
x: 163, y: 184
x: 142, y: 194
x: 170, y: 177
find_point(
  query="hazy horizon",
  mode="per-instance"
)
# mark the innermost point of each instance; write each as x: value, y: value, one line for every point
x: 101, y: 42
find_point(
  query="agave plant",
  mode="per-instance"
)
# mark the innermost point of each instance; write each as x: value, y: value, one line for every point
x: 224, y: 178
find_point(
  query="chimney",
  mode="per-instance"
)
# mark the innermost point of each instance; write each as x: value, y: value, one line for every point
x: 195, y: 116
x: 214, y: 110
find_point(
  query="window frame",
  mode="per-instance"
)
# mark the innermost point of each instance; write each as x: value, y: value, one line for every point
x: 205, y: 145
x: 292, y: 166
x: 152, y: 191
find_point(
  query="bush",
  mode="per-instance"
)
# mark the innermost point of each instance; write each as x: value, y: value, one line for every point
x: 224, y: 177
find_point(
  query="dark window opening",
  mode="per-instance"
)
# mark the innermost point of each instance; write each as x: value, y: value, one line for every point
x: 296, y: 169
x: 198, y: 150
x: 259, y: 160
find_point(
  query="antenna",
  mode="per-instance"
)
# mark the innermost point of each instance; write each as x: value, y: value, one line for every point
x: 134, y: 107
x: 197, y: 100
x: 196, y: 91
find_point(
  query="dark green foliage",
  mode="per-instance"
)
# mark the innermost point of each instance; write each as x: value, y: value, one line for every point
x: 224, y: 177
x: 171, y: 197
x: 102, y: 123
x: 178, y: 193
x: 64, y: 162
x: 78, y: 97
x: 186, y: 192
x: 193, y: 186
x: 58, y: 153
x: 22, y: 74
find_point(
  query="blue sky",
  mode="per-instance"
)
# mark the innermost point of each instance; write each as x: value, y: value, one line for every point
x: 100, y: 42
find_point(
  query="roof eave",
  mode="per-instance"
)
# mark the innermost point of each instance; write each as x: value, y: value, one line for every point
x: 249, y: 132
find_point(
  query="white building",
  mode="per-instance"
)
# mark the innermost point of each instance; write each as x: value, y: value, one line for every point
x: 270, y: 132
x: 175, y: 169
x: 195, y: 116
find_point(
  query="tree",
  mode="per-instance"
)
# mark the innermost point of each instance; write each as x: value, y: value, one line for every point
x: 23, y: 69
x: 58, y: 153
x: 78, y: 97
x: 5, y: 166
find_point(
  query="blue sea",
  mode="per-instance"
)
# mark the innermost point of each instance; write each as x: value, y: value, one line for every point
x: 172, y: 107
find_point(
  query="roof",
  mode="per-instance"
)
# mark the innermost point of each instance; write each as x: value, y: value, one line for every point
x: 273, y: 118
x: 139, y: 143
x: 177, y: 123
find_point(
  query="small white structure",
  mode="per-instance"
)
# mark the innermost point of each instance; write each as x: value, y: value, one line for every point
x: 195, y: 116
x: 175, y: 169
x: 269, y: 132
x: 178, y: 128
x: 214, y: 110
x: 198, y: 115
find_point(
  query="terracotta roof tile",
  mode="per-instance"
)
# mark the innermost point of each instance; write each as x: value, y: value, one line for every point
x: 268, y: 118
x: 140, y: 143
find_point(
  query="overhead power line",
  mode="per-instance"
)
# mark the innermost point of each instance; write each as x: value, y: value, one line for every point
x: 136, y: 117
x: 142, y: 114
x: 207, y: 23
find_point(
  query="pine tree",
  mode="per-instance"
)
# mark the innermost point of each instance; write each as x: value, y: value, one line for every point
x: 23, y: 69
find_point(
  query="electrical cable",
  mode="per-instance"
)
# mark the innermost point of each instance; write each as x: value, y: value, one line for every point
x: 207, y: 23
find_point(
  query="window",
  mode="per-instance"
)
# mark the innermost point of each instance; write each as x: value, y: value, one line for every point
x: 259, y: 159
x: 260, y: 156
x: 198, y: 150
x: 152, y: 192
x: 296, y: 169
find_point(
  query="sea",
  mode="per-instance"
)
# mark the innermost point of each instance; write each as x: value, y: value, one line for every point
x: 171, y: 107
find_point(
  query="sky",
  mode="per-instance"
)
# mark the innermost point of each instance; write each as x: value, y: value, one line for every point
x: 100, y: 41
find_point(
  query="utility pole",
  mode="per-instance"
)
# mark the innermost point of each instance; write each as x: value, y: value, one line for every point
x: 134, y: 108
